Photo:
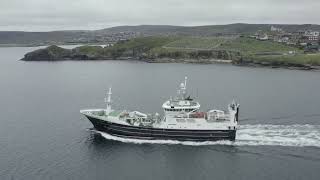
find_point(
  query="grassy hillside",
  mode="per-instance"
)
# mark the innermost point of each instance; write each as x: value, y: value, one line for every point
x: 197, y: 42
x: 145, y: 42
x: 212, y: 47
x: 241, y: 50
x: 138, y: 46
x: 241, y: 44
x: 89, y: 50
x: 252, y: 46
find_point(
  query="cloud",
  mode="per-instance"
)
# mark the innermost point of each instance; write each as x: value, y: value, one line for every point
x: 46, y: 15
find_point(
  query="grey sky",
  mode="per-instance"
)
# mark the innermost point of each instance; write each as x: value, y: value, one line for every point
x: 44, y: 15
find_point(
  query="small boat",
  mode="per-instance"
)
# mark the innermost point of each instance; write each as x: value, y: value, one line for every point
x: 182, y: 120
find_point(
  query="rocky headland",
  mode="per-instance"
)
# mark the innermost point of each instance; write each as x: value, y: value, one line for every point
x: 176, y: 50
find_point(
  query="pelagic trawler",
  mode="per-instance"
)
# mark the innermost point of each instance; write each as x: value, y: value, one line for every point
x: 182, y: 121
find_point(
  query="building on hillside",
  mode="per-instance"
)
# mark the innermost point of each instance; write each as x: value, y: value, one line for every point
x: 282, y: 38
x: 276, y: 29
x: 260, y: 35
x: 295, y: 38
x: 312, y: 35
x: 300, y: 33
x: 263, y: 37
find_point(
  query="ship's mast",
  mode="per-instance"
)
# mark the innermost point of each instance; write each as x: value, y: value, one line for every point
x: 108, y: 101
x: 183, y: 88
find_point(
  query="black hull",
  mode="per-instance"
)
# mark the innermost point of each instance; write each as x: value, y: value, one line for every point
x: 161, y: 134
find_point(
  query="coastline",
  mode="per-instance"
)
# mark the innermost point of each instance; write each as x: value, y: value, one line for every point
x: 155, y: 50
x: 230, y: 62
x: 302, y: 67
x: 188, y: 61
x: 198, y: 61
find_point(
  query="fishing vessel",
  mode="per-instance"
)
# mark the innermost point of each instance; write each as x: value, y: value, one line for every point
x: 182, y: 120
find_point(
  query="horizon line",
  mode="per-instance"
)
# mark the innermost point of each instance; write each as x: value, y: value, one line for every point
x: 137, y: 25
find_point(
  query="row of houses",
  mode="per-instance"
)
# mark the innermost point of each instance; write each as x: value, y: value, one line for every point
x: 292, y: 38
x: 104, y: 37
x: 312, y: 35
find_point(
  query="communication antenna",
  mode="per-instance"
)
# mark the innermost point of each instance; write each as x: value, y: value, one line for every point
x: 108, y: 101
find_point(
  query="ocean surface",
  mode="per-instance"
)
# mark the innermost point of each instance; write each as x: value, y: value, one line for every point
x: 43, y: 136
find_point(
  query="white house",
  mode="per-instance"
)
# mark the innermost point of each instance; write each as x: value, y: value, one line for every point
x: 312, y: 35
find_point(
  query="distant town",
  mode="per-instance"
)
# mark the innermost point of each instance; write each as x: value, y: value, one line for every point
x: 308, y: 40
x: 108, y: 38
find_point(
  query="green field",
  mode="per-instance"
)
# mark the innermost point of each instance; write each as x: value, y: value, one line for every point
x: 239, y: 50
x: 241, y: 44
x: 186, y: 47
x: 253, y: 46
x: 89, y: 50
x: 198, y: 42
x: 144, y: 43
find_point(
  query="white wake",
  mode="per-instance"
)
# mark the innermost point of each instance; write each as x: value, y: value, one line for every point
x: 251, y: 135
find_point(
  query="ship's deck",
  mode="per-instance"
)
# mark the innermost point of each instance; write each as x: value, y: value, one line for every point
x: 169, y: 123
x: 114, y: 113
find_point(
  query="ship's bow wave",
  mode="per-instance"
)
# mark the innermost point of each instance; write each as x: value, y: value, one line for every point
x: 251, y: 135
